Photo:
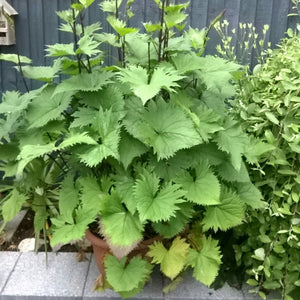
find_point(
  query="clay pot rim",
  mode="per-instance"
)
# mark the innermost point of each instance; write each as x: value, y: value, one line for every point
x: 97, y: 241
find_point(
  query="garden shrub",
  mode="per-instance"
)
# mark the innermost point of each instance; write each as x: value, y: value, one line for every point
x: 268, y: 104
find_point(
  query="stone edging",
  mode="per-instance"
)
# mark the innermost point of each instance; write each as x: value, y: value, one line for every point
x: 26, y: 276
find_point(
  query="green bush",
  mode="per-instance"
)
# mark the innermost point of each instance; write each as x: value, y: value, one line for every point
x: 268, y: 104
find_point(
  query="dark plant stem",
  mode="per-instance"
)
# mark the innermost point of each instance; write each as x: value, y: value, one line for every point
x: 76, y: 40
x: 160, y: 35
x: 54, y: 160
x: 89, y: 68
x: 149, y: 58
x: 21, y: 72
x: 123, y: 51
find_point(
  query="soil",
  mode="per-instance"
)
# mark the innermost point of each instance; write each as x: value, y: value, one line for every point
x: 25, y: 230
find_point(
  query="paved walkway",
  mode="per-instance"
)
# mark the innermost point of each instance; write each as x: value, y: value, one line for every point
x: 26, y: 276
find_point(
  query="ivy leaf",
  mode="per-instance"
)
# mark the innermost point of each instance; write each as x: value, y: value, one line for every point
x: 177, y: 223
x: 138, y: 80
x: 233, y: 141
x: 122, y: 228
x: 85, y: 82
x: 171, y: 260
x: 202, y: 186
x: 130, y: 148
x: 205, y: 262
x: 124, y: 276
x: 12, y: 205
x: 165, y: 128
x: 225, y: 215
x: 153, y: 203
x: 47, y: 107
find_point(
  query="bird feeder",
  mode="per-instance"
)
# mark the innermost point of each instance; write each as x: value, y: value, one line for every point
x: 7, y: 24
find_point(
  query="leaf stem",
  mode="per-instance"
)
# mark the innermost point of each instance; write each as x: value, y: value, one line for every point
x: 160, y: 36
x: 21, y: 72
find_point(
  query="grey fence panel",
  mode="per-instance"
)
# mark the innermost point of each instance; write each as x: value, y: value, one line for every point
x: 37, y: 24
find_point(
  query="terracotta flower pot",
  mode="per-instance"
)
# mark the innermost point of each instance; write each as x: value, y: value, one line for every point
x: 101, y: 248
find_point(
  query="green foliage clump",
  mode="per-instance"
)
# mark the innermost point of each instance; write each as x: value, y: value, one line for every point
x: 145, y: 147
x: 269, y: 103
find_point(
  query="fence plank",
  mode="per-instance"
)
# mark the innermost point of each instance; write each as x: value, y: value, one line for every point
x: 37, y: 24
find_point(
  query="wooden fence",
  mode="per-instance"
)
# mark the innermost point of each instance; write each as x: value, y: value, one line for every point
x: 37, y: 23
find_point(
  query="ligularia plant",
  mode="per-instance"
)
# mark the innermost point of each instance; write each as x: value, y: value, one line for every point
x: 144, y: 148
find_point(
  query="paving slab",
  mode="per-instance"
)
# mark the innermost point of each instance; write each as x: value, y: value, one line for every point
x: 63, y: 279
x: 152, y: 289
x: 12, y: 226
x: 8, y: 261
x: 252, y: 296
x: 191, y: 289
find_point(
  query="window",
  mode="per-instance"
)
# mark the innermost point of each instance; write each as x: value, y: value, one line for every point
x: 2, y: 34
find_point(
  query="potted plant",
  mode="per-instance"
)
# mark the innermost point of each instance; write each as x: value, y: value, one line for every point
x: 143, y: 149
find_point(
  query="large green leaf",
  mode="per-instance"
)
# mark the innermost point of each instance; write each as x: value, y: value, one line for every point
x: 68, y: 198
x: 120, y: 26
x: 47, y: 107
x: 250, y: 194
x: 171, y: 260
x: 154, y: 203
x: 108, y: 131
x: 130, y: 148
x: 164, y: 127
x: 85, y: 82
x: 145, y: 87
x: 123, y: 276
x: 15, y: 58
x: 91, y: 194
x: 86, y: 45
x: 225, y: 215
x: 13, y: 102
x: 41, y: 73
x: 124, y: 184
x: 13, y: 204
x: 202, y: 186
x: 118, y: 224
x: 233, y: 141
x: 205, y: 262
x: 216, y: 73
x: 177, y: 223
x: 83, y: 116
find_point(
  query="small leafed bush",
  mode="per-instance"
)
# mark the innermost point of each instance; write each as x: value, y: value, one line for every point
x: 268, y: 104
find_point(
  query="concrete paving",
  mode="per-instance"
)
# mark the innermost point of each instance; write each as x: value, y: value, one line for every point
x: 26, y: 276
